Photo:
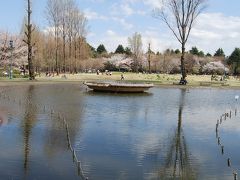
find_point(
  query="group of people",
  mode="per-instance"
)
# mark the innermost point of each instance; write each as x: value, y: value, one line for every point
x: 106, y: 72
x: 49, y: 74
x: 109, y: 73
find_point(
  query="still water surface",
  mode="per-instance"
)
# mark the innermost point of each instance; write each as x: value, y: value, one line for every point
x: 164, y: 134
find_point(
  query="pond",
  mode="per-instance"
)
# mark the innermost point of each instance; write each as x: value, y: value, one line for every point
x: 168, y: 133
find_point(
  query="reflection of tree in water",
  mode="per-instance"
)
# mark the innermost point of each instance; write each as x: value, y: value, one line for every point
x: 70, y: 107
x: 177, y: 163
x: 28, y: 123
x: 54, y: 143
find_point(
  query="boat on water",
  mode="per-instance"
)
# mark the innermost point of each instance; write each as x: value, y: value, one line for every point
x: 118, y: 87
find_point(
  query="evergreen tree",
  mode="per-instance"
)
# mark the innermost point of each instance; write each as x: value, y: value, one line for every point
x: 201, y: 54
x: 120, y: 50
x: 91, y: 48
x: 167, y: 51
x: 93, y: 51
x: 177, y: 51
x: 219, y: 52
x: 208, y: 55
x: 128, y: 51
x: 234, y: 61
x: 194, y: 51
x: 101, y: 49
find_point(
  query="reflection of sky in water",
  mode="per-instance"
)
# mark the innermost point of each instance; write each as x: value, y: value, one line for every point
x: 116, y: 136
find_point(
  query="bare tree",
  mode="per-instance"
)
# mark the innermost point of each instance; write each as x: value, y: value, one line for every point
x: 63, y: 20
x: 79, y: 34
x: 71, y: 7
x: 135, y: 43
x: 40, y: 41
x: 28, y: 41
x: 53, y: 16
x: 179, y: 15
x: 70, y: 27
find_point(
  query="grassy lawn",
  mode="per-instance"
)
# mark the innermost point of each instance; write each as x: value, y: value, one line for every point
x: 157, y: 79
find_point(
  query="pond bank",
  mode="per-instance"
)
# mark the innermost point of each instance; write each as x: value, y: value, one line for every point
x: 163, y: 80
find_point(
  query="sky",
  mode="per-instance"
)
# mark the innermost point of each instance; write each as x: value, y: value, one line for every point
x: 111, y: 22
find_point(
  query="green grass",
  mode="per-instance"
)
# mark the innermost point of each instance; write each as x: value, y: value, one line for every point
x: 157, y: 79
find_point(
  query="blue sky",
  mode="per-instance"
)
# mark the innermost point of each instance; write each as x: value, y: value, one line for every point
x: 111, y: 22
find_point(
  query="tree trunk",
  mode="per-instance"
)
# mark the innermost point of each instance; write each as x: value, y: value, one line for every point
x: 29, y: 43
x: 136, y: 63
x: 183, y: 70
x: 75, y: 55
x: 64, y: 54
x: 149, y: 59
x: 79, y: 49
x: 70, y: 54
x: 56, y: 50
x: 149, y: 67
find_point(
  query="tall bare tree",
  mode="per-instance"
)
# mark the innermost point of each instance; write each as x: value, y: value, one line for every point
x: 70, y: 11
x: 179, y: 15
x: 28, y: 41
x: 79, y: 34
x: 53, y: 16
x: 40, y: 41
x: 63, y: 28
x: 70, y: 27
x: 135, y: 43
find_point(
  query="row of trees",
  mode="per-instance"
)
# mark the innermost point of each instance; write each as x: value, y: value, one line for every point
x: 69, y: 28
x: 166, y: 62
x: 63, y: 46
x: 194, y: 51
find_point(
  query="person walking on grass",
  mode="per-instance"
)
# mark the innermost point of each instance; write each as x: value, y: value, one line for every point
x: 122, y: 77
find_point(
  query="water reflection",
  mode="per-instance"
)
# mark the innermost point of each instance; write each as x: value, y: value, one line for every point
x: 70, y: 108
x: 115, y: 136
x: 3, y: 117
x: 178, y: 161
x: 28, y: 123
x: 102, y: 93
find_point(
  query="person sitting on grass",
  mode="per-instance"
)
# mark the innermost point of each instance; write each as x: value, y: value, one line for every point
x: 122, y: 77
x: 183, y: 81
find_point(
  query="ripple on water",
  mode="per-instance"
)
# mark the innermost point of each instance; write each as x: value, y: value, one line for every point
x: 117, y: 136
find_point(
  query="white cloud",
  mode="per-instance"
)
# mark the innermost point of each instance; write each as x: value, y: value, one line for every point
x: 153, y: 3
x: 111, y: 39
x: 92, y: 15
x: 48, y: 30
x: 150, y: 3
x: 91, y: 34
x: 210, y: 32
x: 123, y: 22
x: 214, y: 30
x: 97, y: 1
x: 125, y: 9
x: 159, y: 41
x: 111, y: 33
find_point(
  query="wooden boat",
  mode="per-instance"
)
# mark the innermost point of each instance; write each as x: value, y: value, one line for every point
x: 118, y: 87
